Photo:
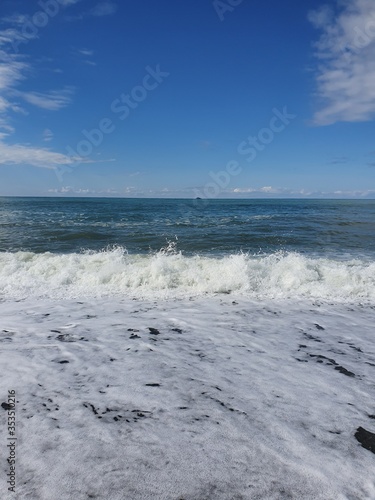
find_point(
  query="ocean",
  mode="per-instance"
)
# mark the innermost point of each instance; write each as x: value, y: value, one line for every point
x: 304, y: 248
x: 189, y: 349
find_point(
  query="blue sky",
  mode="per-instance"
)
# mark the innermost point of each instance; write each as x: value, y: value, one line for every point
x: 209, y: 98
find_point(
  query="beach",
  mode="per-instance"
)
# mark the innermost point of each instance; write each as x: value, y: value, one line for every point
x: 221, y: 397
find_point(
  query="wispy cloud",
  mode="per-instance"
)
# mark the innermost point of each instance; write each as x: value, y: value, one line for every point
x: 101, y: 9
x: 11, y: 74
x: 19, y: 154
x: 47, y: 135
x: 15, y: 19
x: 52, y: 100
x: 104, y: 9
x: 22, y: 28
x: 13, y: 71
x: 345, y: 54
x: 86, y: 52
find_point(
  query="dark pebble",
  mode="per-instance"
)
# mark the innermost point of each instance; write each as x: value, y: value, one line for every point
x: 343, y: 370
x: 7, y: 406
x: 65, y: 338
x: 154, y: 331
x: 366, y: 438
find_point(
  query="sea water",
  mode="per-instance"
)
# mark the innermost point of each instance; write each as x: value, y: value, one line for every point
x: 66, y: 247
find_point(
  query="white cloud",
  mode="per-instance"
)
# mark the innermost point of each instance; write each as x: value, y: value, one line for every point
x: 18, y: 154
x: 10, y: 36
x: 104, y: 9
x: 268, y: 191
x: 13, y: 71
x: 82, y: 191
x: 15, y: 19
x: 52, y: 100
x: 86, y: 52
x: 47, y: 135
x: 238, y: 193
x: 345, y: 53
x: 322, y: 16
x: 244, y: 190
x: 264, y: 189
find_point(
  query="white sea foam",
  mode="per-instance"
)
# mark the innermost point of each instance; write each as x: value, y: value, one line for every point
x: 170, y: 274
x: 232, y: 399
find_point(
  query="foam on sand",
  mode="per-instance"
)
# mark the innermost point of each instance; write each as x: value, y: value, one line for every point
x: 219, y: 397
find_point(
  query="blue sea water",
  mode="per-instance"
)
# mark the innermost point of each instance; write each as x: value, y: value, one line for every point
x: 215, y: 227
x: 65, y: 247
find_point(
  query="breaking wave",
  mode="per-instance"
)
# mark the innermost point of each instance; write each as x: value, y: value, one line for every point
x: 171, y: 274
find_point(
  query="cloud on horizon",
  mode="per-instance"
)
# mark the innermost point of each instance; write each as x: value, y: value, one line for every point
x: 345, y: 54
x: 189, y: 193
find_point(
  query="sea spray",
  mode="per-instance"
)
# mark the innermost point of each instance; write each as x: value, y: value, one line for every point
x: 169, y: 273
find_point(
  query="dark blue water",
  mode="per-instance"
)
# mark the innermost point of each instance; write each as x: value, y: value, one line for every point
x: 66, y: 225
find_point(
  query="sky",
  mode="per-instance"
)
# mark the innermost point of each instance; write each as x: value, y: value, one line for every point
x: 205, y: 98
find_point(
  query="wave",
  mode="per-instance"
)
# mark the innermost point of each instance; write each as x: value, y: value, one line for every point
x: 170, y: 274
